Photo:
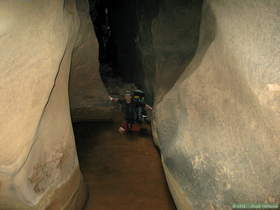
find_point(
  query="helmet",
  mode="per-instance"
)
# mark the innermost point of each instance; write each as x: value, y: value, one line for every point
x: 138, y: 96
x: 138, y: 92
x: 128, y: 93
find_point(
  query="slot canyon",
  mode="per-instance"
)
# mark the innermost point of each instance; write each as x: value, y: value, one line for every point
x: 209, y: 68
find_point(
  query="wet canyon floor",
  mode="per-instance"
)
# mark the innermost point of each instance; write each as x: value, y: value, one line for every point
x: 122, y: 172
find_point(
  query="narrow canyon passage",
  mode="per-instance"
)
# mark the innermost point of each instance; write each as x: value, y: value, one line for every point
x: 122, y: 172
x: 209, y: 69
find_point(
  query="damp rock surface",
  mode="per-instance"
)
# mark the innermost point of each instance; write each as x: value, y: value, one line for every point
x: 88, y: 95
x: 155, y: 41
x: 218, y: 127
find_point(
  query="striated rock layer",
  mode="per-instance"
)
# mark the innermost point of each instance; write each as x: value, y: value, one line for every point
x: 218, y: 127
x: 38, y: 162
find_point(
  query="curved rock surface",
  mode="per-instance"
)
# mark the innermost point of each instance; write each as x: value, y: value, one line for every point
x: 218, y: 127
x: 38, y: 162
x: 216, y: 121
x: 88, y: 95
x: 156, y: 42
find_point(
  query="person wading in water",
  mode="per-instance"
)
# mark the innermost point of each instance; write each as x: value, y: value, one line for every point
x: 130, y: 111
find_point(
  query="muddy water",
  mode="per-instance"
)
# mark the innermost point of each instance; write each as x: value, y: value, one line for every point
x: 123, y: 172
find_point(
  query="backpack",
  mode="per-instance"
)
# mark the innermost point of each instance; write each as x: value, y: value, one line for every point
x: 138, y: 99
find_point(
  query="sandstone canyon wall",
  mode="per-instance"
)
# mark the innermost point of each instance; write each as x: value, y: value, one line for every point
x: 218, y: 127
x: 38, y: 163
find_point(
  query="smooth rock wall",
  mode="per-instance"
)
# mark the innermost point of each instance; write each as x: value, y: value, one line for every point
x: 88, y: 96
x: 155, y: 40
x: 175, y: 33
x: 38, y: 163
x: 218, y: 127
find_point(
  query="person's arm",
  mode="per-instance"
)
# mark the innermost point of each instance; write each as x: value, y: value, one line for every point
x: 113, y: 99
x: 148, y: 107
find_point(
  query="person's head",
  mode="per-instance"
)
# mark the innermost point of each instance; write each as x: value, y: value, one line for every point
x: 128, y: 96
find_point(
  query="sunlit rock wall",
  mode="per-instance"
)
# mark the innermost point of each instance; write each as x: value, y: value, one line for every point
x: 218, y: 127
x: 38, y: 162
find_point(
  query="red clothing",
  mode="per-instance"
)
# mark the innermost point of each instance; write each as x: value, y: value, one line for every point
x: 131, y: 127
